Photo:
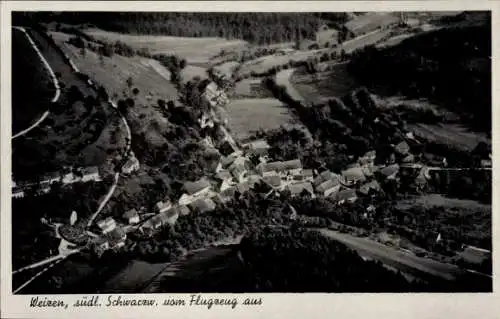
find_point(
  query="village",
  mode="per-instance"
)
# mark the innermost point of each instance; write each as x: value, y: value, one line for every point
x: 242, y: 167
x: 247, y: 164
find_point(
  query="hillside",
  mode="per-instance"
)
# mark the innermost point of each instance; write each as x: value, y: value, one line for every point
x: 450, y: 67
x: 254, y: 27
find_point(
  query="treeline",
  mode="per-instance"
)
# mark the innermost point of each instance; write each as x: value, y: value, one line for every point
x: 450, y: 66
x: 254, y: 27
x: 297, y: 260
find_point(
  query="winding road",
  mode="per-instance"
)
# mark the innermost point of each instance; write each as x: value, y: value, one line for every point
x: 57, y: 94
x: 52, y: 261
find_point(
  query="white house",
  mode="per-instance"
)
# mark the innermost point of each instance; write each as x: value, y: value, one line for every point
x: 131, y: 165
x: 131, y: 216
x: 90, y: 174
x: 106, y: 225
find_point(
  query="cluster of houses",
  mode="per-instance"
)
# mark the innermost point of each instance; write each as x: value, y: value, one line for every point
x: 83, y: 175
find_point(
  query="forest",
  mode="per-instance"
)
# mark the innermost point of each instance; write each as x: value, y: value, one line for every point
x: 254, y: 27
x: 451, y: 67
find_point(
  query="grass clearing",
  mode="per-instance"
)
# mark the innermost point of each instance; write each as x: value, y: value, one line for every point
x: 436, y: 200
x: 250, y: 88
x: 148, y: 75
x: 250, y: 115
x: 449, y: 134
x: 192, y: 71
x: 194, y: 50
x: 323, y: 85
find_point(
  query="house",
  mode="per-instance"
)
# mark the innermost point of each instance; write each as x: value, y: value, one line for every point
x: 243, y: 187
x: 328, y: 187
x: 239, y: 169
x: 486, y: 163
x: 307, y: 175
x: 346, y: 195
x: 410, y: 158
x: 292, y: 167
x: 183, y: 210
x: 372, y: 186
x: 369, y: 170
x: 90, y: 174
x: 106, y: 225
x: 367, y: 158
x: 353, y: 175
x: 163, y: 206
x: 390, y: 172
x: 186, y: 199
x: 268, y: 169
x: 116, y: 238
x: 224, y: 176
x: 274, y: 181
x: 214, y: 96
x: 131, y: 165
x: 169, y: 217
x: 402, y: 149
x: 323, y: 177
x: 197, y: 188
x: 131, y: 216
x: 227, y: 193
x: 297, y: 188
x: 202, y: 205
x: 226, y: 148
x: 258, y: 147
x: 100, y: 245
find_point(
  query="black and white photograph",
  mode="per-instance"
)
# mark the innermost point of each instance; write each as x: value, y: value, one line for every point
x: 250, y: 152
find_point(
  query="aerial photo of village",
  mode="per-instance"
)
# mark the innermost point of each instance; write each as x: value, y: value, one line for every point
x: 177, y: 152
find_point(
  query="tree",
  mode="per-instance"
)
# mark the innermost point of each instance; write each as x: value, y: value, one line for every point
x: 135, y: 91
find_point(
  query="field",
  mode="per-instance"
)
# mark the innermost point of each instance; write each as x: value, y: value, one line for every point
x: 28, y: 75
x: 192, y: 71
x: 148, y: 75
x: 265, y: 63
x: 250, y: 88
x: 250, y: 115
x: 449, y: 134
x: 322, y: 85
x: 365, y: 40
x: 436, y: 200
x: 194, y: 50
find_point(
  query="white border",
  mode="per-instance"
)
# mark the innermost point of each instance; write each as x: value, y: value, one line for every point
x: 275, y: 305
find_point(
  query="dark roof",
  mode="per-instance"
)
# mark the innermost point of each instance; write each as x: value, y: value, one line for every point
x: 390, y: 170
x: 90, y: 170
x: 346, y: 194
x: 373, y: 185
x: 194, y: 187
x: 273, y: 181
x: 203, y: 205
x: 353, y: 174
x: 224, y: 174
x: 226, y: 148
x: 402, y: 148
x: 300, y: 187
x: 327, y: 185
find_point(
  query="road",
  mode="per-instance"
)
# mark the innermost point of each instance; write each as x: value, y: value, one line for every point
x: 54, y: 80
x: 283, y: 78
x: 69, y: 74
x: 404, y: 261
